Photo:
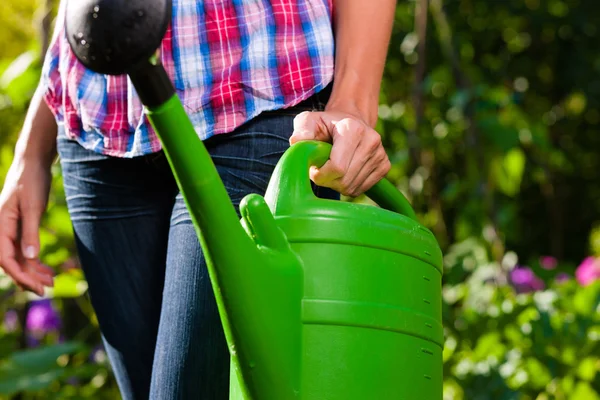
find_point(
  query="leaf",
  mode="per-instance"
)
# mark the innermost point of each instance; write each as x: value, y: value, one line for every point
x: 489, y: 344
x: 69, y: 284
x: 59, y: 220
x: 58, y: 257
x: 583, y: 391
x: 33, y: 369
x: 17, y: 68
x: 508, y: 171
x: 29, y: 382
x: 538, y: 373
x: 460, y: 99
x: 20, y: 79
x: 587, y: 368
x: 575, y: 104
x: 503, y: 136
x: 43, y: 357
x: 586, y: 301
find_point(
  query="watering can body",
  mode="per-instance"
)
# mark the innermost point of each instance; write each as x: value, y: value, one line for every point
x: 371, y: 306
x: 319, y: 299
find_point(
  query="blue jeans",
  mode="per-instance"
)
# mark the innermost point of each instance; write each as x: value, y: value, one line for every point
x: 148, y: 280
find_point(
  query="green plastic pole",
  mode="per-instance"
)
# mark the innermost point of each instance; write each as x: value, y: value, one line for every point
x: 256, y: 277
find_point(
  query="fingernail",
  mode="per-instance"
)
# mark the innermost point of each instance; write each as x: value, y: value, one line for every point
x: 29, y: 252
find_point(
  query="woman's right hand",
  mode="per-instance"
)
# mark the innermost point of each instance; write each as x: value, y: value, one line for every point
x: 23, y: 201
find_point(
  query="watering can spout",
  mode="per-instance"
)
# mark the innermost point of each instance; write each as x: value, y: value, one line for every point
x: 256, y: 277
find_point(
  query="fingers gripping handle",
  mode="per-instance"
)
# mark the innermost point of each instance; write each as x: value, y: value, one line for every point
x: 292, y: 181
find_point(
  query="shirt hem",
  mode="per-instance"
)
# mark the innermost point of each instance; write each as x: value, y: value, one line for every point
x: 155, y: 146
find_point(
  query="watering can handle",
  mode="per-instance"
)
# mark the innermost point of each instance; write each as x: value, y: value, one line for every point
x: 291, y: 177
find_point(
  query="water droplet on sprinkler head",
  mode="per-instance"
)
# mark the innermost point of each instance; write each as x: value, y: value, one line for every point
x: 96, y: 8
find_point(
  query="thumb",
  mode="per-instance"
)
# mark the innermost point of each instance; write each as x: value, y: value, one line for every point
x: 30, y: 239
x: 312, y: 125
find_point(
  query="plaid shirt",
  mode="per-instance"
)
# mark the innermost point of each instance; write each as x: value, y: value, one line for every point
x: 228, y: 59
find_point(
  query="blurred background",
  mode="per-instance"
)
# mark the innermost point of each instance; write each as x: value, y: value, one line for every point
x: 490, y: 114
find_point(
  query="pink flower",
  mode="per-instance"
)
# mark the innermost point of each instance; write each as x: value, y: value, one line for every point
x: 548, y: 262
x: 588, y: 271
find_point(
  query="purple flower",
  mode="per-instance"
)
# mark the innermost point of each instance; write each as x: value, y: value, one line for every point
x: 32, y: 341
x: 525, y: 280
x: 548, y: 262
x: 562, y: 277
x: 588, y: 271
x: 11, y: 321
x: 73, y: 381
x: 42, y: 318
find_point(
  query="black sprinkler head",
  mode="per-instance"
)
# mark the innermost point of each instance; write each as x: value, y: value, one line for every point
x: 112, y: 36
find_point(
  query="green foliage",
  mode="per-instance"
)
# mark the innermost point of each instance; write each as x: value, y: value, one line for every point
x: 20, y: 79
x: 508, y: 134
x: 57, y: 369
x: 504, y: 345
x: 33, y: 369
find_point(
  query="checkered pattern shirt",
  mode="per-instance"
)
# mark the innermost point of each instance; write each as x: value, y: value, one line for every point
x: 229, y: 60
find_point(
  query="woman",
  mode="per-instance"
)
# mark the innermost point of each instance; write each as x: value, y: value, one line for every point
x: 254, y: 77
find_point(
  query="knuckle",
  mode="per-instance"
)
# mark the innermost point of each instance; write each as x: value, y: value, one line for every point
x: 375, y: 140
x: 302, y: 121
x: 302, y: 117
x: 386, y: 165
x: 352, y: 126
x: 346, y: 183
x: 375, y: 147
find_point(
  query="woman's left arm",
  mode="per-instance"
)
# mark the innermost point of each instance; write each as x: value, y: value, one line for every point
x: 358, y: 159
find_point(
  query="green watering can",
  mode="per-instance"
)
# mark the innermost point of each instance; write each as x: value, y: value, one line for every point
x: 319, y: 299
